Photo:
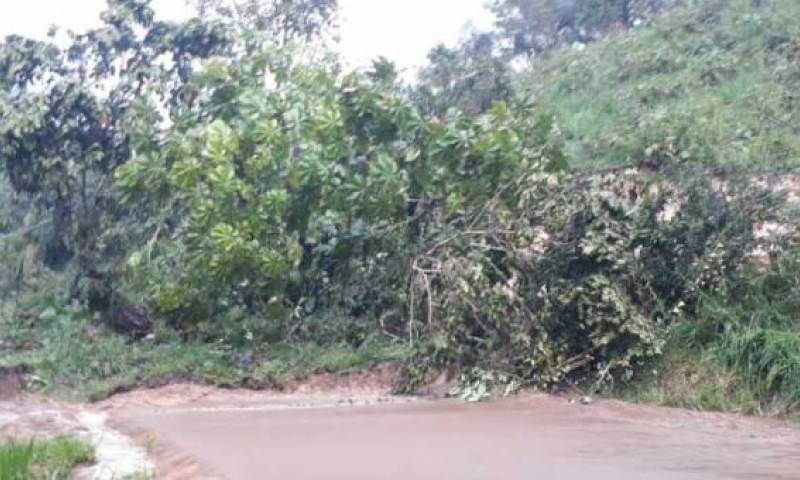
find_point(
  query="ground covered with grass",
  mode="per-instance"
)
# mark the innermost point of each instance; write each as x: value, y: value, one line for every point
x: 716, y: 85
x: 739, y: 351
x: 70, y: 354
x: 52, y: 459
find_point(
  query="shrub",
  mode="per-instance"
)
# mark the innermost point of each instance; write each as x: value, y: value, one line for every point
x: 579, y: 281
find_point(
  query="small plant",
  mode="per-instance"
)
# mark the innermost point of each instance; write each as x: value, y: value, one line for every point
x: 15, y: 460
x: 43, y: 460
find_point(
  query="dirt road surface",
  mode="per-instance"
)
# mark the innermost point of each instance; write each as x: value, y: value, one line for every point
x: 312, y: 437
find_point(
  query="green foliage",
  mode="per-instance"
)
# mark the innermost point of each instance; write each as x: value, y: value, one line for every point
x: 279, y: 216
x: 752, y: 327
x: 534, y: 27
x: 46, y: 460
x: 477, y: 385
x: 737, y: 350
x: 288, y: 176
x: 284, y: 20
x: 470, y: 77
x: 265, y: 196
x: 580, y: 281
x: 67, y: 115
x: 709, y: 84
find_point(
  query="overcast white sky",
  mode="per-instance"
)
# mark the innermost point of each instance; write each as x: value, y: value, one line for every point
x: 402, y: 30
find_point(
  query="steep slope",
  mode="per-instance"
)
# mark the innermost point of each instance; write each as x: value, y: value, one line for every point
x: 715, y: 84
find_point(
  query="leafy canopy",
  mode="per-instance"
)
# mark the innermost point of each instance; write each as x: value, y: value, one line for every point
x: 282, y: 163
x: 67, y: 114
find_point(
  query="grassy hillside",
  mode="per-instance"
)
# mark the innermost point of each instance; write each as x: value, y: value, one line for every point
x: 717, y: 85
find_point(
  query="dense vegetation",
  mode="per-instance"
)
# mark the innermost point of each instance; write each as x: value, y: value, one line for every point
x: 219, y: 200
x: 738, y: 352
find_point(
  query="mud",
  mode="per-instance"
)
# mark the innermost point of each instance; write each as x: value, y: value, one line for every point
x: 346, y: 427
x: 239, y: 435
x: 28, y: 417
x: 12, y: 382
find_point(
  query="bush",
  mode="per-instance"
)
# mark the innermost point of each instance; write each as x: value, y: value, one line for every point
x: 580, y: 281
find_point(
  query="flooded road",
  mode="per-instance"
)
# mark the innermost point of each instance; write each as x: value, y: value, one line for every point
x: 531, y: 437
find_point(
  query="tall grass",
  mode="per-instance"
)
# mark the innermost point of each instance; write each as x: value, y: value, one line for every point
x: 53, y: 459
x: 753, y: 328
x: 15, y: 460
x: 768, y: 357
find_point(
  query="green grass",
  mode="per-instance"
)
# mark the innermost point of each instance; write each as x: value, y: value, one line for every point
x: 769, y: 357
x: 46, y: 460
x: 686, y: 378
x: 139, y: 476
x: 740, y: 350
x: 72, y: 355
x: 15, y: 460
x: 718, y: 85
x: 753, y: 327
x: 287, y: 360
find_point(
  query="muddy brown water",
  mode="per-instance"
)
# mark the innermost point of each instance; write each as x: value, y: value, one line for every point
x: 531, y: 437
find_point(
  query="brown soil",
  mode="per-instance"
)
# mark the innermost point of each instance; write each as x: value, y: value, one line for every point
x: 366, y: 384
x: 12, y: 382
x: 31, y: 417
